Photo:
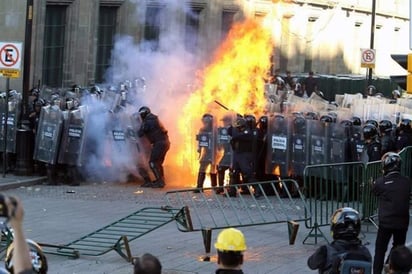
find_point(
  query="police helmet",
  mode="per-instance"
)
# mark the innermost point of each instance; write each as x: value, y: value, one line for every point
x: 311, y: 115
x: 391, y: 161
x: 299, y: 124
x: 371, y: 90
x: 39, y: 102
x: 405, y: 125
x: 207, y: 118
x: 396, y: 94
x: 346, y: 123
x: 240, y: 123
x: 35, y: 92
x: 385, y: 126
x: 250, y: 121
x: 38, y: 259
x: 326, y: 119
x: 263, y: 122
x: 345, y: 224
x: 369, y: 132
x: 144, y: 111
x: 372, y: 122
x: 356, y: 121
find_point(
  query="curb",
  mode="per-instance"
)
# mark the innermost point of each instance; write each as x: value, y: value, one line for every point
x: 22, y: 182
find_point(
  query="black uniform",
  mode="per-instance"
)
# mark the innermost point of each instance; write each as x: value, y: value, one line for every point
x: 393, y: 192
x: 229, y: 271
x: 388, y: 143
x: 327, y: 258
x: 403, y: 140
x: 157, y: 135
x: 373, y: 150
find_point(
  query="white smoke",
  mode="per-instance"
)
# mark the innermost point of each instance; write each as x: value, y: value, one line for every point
x: 169, y: 73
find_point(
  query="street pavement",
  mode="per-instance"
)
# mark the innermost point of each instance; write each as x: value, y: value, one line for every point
x: 61, y: 214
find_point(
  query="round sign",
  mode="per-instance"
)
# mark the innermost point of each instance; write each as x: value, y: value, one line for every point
x: 368, y: 56
x: 9, y: 55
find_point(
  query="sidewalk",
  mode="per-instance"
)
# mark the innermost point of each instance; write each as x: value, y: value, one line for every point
x: 10, y: 181
x: 61, y: 214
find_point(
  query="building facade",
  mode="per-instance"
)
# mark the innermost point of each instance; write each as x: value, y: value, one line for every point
x: 72, y: 40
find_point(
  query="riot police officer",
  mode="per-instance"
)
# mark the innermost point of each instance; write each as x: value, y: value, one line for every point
x: 345, y: 227
x: 388, y: 143
x: 392, y: 190
x: 404, y: 136
x: 223, y: 142
x: 243, y: 158
x: 156, y: 133
x: 206, y: 149
x: 372, y: 148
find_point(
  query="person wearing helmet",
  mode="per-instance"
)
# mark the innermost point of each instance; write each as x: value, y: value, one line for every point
x: 345, y: 226
x: 392, y: 190
x: 370, y: 91
x: 404, y: 135
x: 310, y: 85
x: 206, y: 150
x: 223, y: 142
x: 386, y: 136
x: 243, y: 161
x: 147, y: 263
x: 372, y: 147
x: 22, y: 256
x: 156, y: 133
x: 230, y: 245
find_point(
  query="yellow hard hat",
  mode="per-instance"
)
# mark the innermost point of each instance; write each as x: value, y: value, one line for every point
x: 230, y: 239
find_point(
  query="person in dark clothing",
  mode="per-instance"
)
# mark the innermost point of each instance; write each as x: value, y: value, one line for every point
x: 223, y: 142
x: 345, y: 228
x: 386, y: 136
x: 243, y: 161
x: 310, y: 84
x: 206, y: 148
x: 392, y: 190
x: 156, y: 133
x: 400, y: 260
x: 230, y: 245
x: 372, y: 147
x: 147, y: 264
x: 404, y: 136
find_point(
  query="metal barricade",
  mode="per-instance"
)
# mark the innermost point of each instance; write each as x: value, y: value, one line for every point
x: 328, y: 187
x: 280, y: 202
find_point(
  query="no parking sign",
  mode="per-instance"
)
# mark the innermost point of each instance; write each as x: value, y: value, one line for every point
x: 10, y: 59
x: 368, y: 58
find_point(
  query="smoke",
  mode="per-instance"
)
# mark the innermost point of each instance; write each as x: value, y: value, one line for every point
x: 169, y: 73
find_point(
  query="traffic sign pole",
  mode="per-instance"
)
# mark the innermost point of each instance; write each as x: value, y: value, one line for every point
x: 6, y: 117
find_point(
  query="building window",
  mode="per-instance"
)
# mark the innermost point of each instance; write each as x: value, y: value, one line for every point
x: 192, y: 29
x: 152, y: 27
x: 53, y: 50
x: 227, y: 22
x: 105, y: 40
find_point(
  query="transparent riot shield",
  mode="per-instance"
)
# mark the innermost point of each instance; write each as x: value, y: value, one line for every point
x: 48, y: 135
x: 356, y: 144
x: 73, y: 138
x: 277, y: 161
x: 111, y: 100
x: 299, y: 146
x: 224, y: 147
x: 317, y: 142
x: 206, y: 139
x: 11, y: 109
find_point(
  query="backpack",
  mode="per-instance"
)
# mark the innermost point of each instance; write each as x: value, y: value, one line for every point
x: 353, y: 261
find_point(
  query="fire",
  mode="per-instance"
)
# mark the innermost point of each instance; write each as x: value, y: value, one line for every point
x: 235, y: 78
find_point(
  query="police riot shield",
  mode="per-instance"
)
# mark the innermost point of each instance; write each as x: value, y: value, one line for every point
x: 48, y: 135
x: 299, y: 146
x: 73, y: 138
x: 339, y: 151
x: 317, y: 142
x: 356, y: 144
x: 206, y: 138
x: 11, y: 109
x: 277, y: 161
x: 224, y: 147
x: 111, y: 100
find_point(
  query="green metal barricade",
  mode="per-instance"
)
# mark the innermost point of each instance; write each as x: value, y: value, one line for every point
x: 342, y: 187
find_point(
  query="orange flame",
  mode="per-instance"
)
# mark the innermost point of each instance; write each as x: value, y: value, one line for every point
x: 235, y: 78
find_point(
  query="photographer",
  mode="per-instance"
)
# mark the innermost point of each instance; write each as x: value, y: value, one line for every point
x: 20, y: 261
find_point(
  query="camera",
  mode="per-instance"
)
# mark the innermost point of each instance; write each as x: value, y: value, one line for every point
x: 4, y: 211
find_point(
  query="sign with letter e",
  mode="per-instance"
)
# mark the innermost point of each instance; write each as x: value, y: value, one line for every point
x: 368, y: 58
x: 10, y: 59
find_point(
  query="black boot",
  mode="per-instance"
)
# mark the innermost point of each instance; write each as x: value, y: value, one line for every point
x: 201, y: 176
x: 213, y: 181
x: 221, y: 180
x: 159, y: 182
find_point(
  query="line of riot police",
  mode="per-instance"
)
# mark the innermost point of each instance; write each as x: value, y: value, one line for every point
x: 282, y: 145
x: 87, y: 133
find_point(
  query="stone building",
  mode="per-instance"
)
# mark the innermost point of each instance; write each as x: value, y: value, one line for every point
x: 72, y: 40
